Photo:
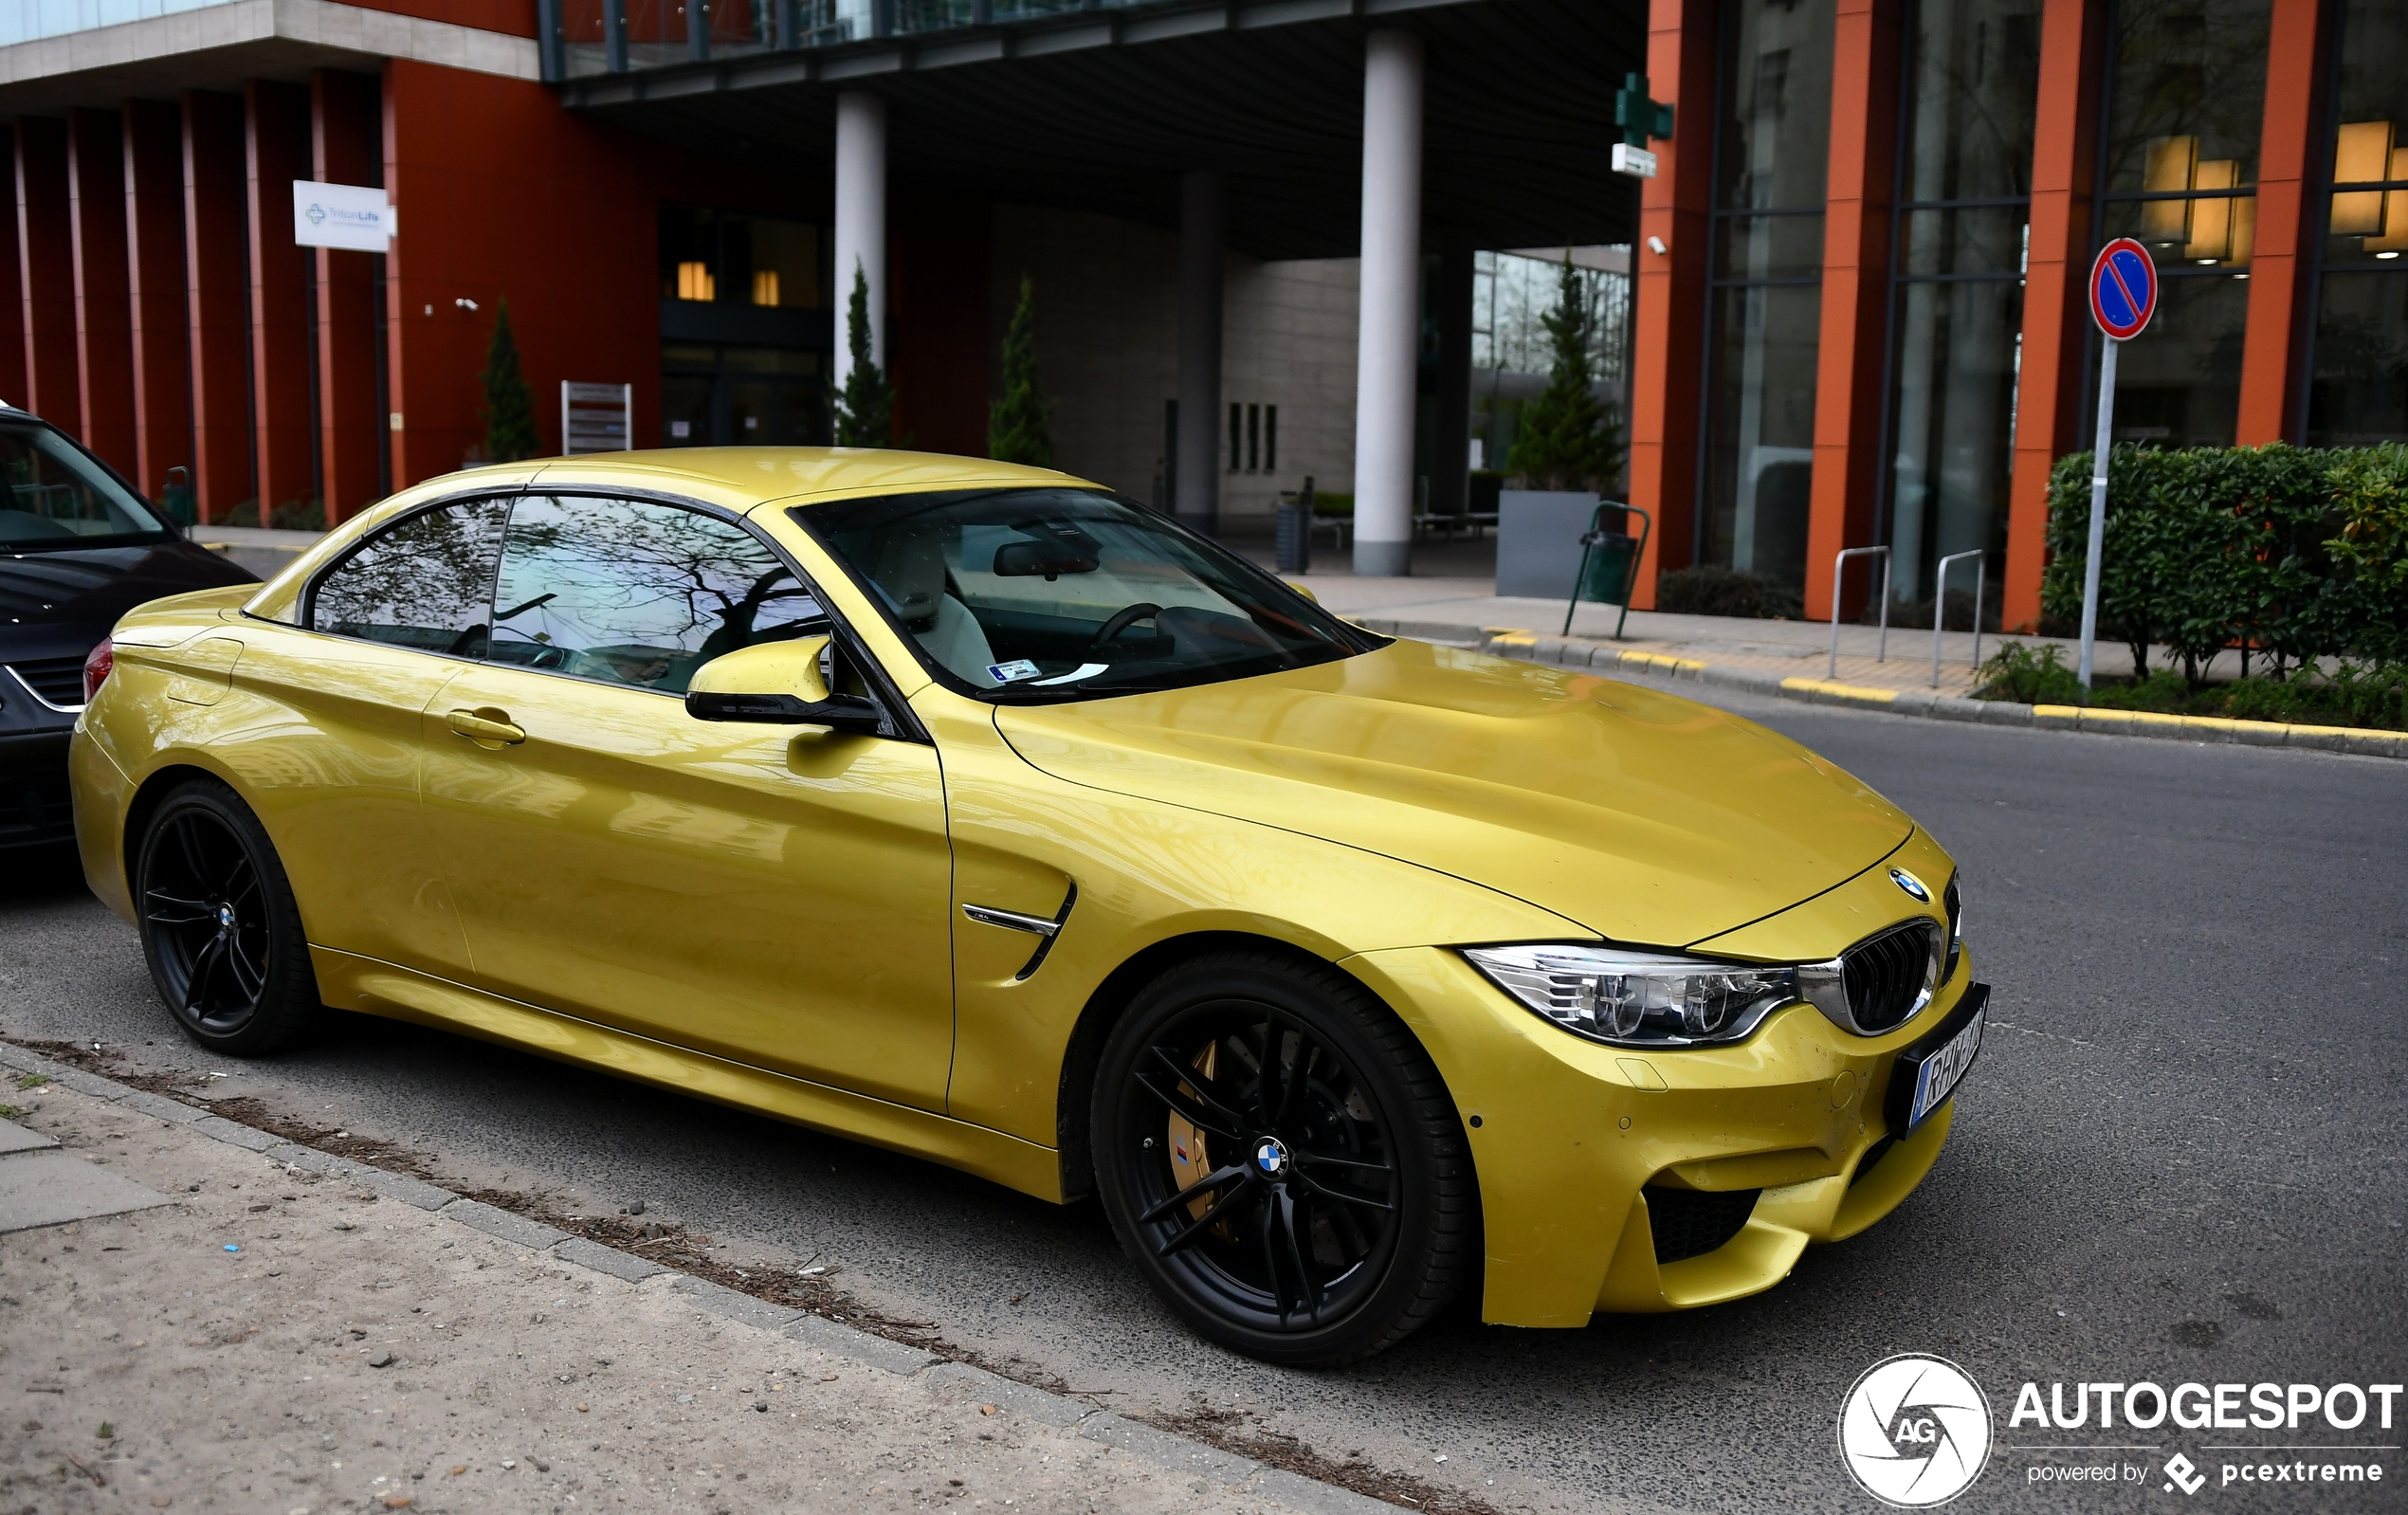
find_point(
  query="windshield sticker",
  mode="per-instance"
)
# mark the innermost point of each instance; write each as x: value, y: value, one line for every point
x: 1009, y: 672
x: 1082, y: 671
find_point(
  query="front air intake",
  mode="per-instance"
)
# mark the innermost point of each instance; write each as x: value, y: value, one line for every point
x: 1691, y: 1222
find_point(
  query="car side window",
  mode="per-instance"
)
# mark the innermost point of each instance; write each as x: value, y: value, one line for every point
x: 629, y: 591
x: 426, y: 581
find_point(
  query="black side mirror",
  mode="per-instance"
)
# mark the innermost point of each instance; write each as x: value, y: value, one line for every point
x: 1032, y: 559
x: 850, y: 713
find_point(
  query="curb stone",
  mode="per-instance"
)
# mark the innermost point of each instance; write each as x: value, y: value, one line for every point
x: 862, y: 1346
x: 1572, y: 652
x: 1158, y: 1449
x: 1052, y: 1409
x: 1165, y: 1451
x: 721, y: 1300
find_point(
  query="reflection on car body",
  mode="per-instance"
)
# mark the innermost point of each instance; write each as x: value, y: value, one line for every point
x: 974, y: 812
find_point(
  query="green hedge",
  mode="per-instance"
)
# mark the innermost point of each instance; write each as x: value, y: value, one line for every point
x: 2348, y: 694
x: 2292, y: 554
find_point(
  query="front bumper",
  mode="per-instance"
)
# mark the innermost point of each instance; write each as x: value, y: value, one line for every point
x: 1571, y: 1136
x: 35, y: 807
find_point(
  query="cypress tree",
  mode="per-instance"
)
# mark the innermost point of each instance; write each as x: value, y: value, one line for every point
x: 1567, y: 441
x: 864, y: 408
x: 1016, y: 430
x: 509, y: 405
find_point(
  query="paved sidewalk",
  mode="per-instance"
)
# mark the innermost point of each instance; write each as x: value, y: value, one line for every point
x: 263, y: 552
x: 285, y: 1332
x: 1461, y: 610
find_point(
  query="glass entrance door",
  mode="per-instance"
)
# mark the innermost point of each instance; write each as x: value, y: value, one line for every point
x: 742, y: 396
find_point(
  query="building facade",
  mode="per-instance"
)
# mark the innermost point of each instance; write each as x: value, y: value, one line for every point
x: 1863, y: 310
x: 1265, y: 238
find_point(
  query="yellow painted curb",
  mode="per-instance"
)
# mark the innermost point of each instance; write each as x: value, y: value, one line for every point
x: 1840, y: 692
x: 1662, y: 659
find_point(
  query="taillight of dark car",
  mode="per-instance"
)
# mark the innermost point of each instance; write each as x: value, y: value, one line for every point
x: 97, y: 665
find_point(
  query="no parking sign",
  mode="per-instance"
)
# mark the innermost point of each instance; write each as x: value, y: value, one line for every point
x: 2123, y: 297
x: 2123, y: 290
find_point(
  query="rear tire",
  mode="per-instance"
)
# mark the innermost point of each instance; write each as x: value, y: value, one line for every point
x: 1282, y: 1160
x: 219, y: 928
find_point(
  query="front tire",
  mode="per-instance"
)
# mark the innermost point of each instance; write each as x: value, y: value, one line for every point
x: 1280, y: 1157
x: 219, y: 928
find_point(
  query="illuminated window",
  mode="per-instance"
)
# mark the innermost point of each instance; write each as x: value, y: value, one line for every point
x: 694, y: 282
x: 764, y: 286
x: 2358, y: 369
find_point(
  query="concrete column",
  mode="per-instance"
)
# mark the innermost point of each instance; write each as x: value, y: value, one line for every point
x: 344, y: 108
x: 861, y: 219
x: 1855, y: 315
x: 46, y: 248
x: 1203, y: 235
x: 1668, y: 343
x: 155, y: 260
x: 12, y: 343
x: 2292, y: 147
x: 282, y: 404
x: 217, y: 302
x: 1389, y: 340
x: 104, y: 303
x: 2056, y: 305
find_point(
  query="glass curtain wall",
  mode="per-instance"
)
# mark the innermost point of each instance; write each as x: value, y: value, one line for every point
x: 1970, y: 88
x: 1772, y: 148
x: 2358, y: 393
x: 2186, y: 103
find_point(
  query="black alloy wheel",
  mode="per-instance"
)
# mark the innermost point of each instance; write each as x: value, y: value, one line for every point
x: 219, y: 925
x: 1280, y: 1157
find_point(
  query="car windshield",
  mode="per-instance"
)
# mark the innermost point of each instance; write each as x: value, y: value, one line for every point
x: 1043, y: 594
x: 52, y: 495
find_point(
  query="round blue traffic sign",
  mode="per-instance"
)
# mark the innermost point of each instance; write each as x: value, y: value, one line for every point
x: 2123, y: 290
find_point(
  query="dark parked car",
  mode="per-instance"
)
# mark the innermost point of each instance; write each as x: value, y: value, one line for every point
x: 77, y: 549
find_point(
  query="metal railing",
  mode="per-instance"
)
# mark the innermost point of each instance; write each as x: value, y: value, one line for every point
x: 1940, y: 604
x: 1839, y: 572
x: 584, y: 39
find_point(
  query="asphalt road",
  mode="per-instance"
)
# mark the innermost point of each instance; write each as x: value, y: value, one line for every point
x: 2180, y: 1158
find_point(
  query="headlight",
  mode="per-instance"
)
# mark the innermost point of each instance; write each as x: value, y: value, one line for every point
x: 1651, y: 999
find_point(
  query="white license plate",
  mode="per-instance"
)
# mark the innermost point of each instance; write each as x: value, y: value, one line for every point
x: 1942, y: 1069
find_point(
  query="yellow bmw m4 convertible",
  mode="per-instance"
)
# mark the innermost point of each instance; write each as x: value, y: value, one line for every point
x: 974, y: 812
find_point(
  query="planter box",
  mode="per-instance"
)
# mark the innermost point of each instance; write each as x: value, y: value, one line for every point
x: 1539, y: 540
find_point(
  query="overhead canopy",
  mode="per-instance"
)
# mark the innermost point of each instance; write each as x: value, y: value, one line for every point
x: 1101, y: 110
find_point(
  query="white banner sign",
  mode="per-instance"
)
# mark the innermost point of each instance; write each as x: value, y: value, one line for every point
x: 1635, y: 161
x: 354, y: 216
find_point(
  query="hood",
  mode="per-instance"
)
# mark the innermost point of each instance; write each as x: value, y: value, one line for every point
x: 59, y: 603
x: 1647, y: 818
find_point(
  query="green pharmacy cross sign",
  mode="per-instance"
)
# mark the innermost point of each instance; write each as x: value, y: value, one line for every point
x: 1642, y: 120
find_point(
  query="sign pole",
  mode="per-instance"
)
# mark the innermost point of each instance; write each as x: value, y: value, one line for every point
x: 2123, y: 297
x: 2098, y: 505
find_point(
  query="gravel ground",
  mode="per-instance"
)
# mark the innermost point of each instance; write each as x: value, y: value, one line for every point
x: 275, y: 1341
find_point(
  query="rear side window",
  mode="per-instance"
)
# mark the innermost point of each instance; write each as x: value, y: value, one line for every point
x: 629, y: 591
x: 52, y: 496
x: 422, y: 582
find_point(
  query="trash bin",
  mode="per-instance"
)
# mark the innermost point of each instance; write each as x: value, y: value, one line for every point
x: 1295, y: 550
x: 177, y: 499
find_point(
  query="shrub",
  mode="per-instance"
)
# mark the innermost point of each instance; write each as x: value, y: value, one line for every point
x: 2029, y: 678
x: 2353, y: 695
x: 2291, y: 553
x: 1709, y: 591
x: 1567, y: 441
x: 509, y: 405
x: 1018, y: 428
x: 865, y: 406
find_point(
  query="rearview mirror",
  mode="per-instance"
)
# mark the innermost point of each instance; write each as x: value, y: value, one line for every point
x: 779, y: 684
x: 1030, y: 560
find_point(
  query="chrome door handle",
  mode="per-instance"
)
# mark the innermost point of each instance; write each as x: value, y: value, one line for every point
x: 485, y: 727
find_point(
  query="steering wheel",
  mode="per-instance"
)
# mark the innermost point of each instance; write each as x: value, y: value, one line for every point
x: 1122, y: 620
